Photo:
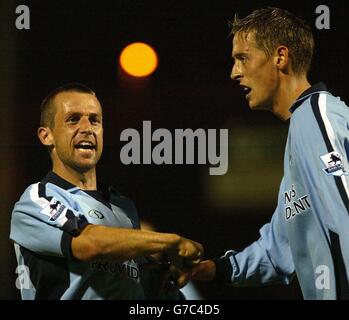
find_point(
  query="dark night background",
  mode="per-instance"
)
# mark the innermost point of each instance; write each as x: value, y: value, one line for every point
x: 80, y: 41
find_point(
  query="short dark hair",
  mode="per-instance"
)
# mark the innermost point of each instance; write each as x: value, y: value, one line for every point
x: 47, y: 109
x: 273, y: 27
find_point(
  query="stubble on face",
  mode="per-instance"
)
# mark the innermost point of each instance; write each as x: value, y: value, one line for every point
x: 77, y: 132
x: 255, y: 71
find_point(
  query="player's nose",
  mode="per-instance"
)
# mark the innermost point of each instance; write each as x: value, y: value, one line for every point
x: 85, y: 125
x: 235, y: 72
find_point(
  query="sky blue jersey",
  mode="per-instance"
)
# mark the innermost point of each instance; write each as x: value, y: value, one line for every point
x: 308, y: 234
x: 45, y: 220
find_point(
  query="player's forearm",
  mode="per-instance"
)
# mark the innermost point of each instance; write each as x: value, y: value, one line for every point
x: 120, y: 244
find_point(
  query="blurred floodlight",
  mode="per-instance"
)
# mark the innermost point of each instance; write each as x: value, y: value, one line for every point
x: 138, y: 59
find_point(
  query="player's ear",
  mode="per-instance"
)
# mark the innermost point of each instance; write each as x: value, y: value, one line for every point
x: 45, y: 136
x: 281, y: 58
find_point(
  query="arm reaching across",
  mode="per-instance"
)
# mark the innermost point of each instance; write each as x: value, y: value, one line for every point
x: 119, y: 244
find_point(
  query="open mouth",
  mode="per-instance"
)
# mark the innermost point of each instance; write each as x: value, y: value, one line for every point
x: 247, y: 91
x: 85, y: 145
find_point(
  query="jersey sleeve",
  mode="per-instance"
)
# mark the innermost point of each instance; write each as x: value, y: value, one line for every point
x: 267, y: 260
x: 44, y: 221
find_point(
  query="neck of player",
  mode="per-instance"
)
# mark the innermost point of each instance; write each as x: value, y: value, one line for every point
x: 85, y: 180
x: 290, y: 88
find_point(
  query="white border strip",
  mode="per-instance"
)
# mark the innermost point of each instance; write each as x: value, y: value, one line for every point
x: 34, y: 196
x: 330, y: 132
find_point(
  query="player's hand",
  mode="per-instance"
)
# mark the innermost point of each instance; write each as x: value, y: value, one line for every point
x: 187, y: 254
x: 206, y: 270
x: 171, y: 274
x: 179, y: 277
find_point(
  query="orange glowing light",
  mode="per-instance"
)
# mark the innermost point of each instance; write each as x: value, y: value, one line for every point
x: 138, y: 59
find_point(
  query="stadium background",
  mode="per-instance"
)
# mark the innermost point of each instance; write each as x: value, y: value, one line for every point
x: 80, y: 41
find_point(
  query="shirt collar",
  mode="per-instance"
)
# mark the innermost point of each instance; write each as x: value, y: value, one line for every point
x: 105, y: 190
x: 54, y: 178
x: 316, y: 88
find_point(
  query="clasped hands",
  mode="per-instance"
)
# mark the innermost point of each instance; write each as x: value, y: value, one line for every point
x: 182, y: 259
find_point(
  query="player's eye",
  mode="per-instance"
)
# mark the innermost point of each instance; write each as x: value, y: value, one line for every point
x: 73, y: 118
x: 240, y: 58
x: 95, y: 119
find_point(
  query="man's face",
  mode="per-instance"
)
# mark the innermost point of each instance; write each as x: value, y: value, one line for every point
x: 255, y: 71
x: 77, y: 134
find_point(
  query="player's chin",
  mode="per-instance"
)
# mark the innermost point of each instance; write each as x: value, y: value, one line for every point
x: 87, y: 159
x: 252, y: 105
x: 85, y: 164
x: 256, y: 105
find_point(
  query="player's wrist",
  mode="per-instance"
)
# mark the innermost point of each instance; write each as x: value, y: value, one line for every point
x: 223, y: 267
